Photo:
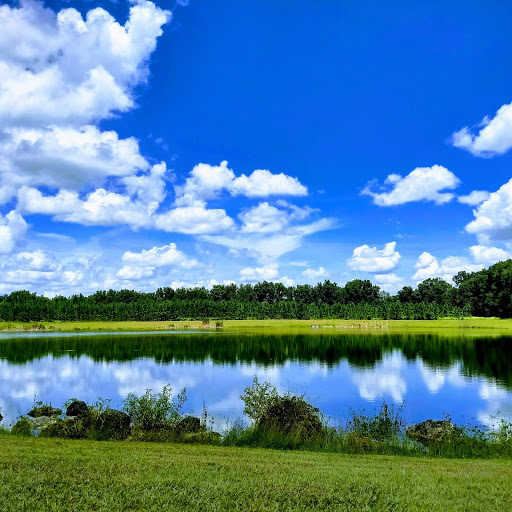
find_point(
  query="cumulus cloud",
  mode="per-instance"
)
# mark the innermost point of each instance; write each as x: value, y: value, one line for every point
x: 12, y: 231
x: 262, y: 183
x: 388, y: 279
x: 488, y: 255
x: 59, y: 68
x: 194, y: 220
x: 208, y: 181
x: 266, y: 273
x: 474, y: 198
x: 159, y: 257
x: 422, y: 184
x: 493, y: 138
x: 493, y: 218
x: 370, y: 259
x: 312, y: 274
x: 37, y: 260
x: 429, y: 267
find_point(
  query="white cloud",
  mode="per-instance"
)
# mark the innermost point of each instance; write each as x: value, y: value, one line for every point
x: 194, y: 220
x: 265, y: 273
x: 422, y: 184
x: 429, y: 267
x: 488, y: 255
x: 67, y: 158
x: 370, y: 259
x: 168, y: 255
x: 270, y: 247
x: 262, y: 183
x: 312, y: 274
x: 37, y: 260
x: 208, y: 181
x: 28, y: 276
x: 60, y: 68
x: 263, y: 218
x: 388, y: 279
x: 493, y: 218
x: 474, y: 198
x: 131, y: 272
x: 494, y: 137
x: 12, y: 231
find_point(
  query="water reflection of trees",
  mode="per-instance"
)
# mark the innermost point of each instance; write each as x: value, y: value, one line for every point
x: 489, y: 357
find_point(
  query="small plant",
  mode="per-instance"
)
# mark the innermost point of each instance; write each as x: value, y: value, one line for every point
x: 257, y: 397
x: 153, y: 411
x: 206, y: 321
x: 219, y: 325
x: 385, y: 426
x: 22, y: 427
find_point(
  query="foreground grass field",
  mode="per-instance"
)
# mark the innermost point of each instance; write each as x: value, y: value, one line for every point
x: 472, y: 325
x: 43, y: 474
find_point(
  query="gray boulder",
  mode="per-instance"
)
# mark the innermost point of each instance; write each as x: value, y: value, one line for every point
x: 41, y: 422
x: 431, y: 432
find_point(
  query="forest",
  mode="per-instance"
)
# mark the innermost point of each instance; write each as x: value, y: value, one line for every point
x: 485, y: 293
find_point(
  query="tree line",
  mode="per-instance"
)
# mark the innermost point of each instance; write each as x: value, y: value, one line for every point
x: 484, y: 293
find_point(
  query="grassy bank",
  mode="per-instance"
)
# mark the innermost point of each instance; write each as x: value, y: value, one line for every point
x: 444, y: 326
x: 42, y: 474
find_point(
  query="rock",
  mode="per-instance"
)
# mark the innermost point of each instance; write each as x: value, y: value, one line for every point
x: 432, y: 431
x: 77, y: 408
x: 1, y: 417
x: 44, y: 410
x: 188, y: 424
x: 41, y: 422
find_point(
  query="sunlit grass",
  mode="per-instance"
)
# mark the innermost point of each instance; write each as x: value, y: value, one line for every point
x: 60, y: 475
x: 443, y: 325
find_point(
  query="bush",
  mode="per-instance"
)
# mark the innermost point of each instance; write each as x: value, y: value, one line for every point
x: 291, y: 415
x: 41, y: 409
x: 154, y: 411
x: 385, y: 426
x: 68, y: 429
x: 257, y: 397
x: 110, y: 424
x: 22, y: 427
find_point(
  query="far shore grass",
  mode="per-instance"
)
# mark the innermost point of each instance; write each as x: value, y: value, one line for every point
x: 448, y: 326
x: 63, y: 475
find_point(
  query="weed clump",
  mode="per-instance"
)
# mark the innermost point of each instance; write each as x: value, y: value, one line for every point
x: 22, y: 427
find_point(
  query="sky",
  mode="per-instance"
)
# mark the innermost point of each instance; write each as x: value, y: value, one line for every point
x: 193, y: 143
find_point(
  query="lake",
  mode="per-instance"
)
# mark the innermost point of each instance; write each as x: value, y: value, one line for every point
x: 469, y: 378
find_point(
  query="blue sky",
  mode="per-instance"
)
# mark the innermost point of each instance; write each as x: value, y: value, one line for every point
x: 361, y: 141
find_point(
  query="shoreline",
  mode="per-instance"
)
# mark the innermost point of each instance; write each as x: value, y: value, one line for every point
x: 449, y: 326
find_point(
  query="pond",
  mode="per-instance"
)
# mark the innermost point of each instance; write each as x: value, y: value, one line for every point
x: 468, y: 378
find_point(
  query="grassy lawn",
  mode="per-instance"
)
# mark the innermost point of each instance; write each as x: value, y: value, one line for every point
x: 44, y: 474
x: 441, y: 326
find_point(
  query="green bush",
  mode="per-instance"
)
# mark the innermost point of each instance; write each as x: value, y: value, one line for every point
x: 257, y: 397
x: 22, y: 427
x: 110, y: 424
x: 154, y: 411
x: 68, y: 429
x: 385, y: 426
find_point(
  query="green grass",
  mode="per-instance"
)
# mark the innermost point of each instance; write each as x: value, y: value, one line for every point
x: 448, y: 326
x: 43, y: 474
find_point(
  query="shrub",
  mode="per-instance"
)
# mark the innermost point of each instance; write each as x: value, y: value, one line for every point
x: 22, y: 427
x: 42, y: 409
x: 257, y: 397
x: 291, y: 415
x: 110, y: 424
x: 68, y: 429
x: 385, y: 426
x: 153, y: 411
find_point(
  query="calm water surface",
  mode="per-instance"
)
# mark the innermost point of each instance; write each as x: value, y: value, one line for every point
x: 468, y: 378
